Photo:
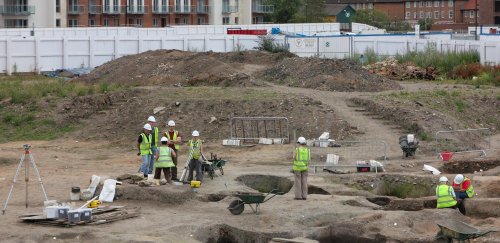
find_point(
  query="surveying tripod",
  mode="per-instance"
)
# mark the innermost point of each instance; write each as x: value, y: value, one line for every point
x: 26, y: 176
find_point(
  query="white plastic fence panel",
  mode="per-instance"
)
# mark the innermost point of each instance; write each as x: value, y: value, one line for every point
x: 303, y: 46
x: 335, y: 47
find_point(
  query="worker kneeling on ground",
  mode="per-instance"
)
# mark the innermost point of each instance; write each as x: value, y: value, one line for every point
x: 164, y: 161
x: 463, y: 187
x: 196, y: 150
x: 302, y: 156
x: 446, y: 196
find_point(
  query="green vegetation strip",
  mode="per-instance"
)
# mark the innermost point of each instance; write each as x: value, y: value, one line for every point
x: 22, y: 117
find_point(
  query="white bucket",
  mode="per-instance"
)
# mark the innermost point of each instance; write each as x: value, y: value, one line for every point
x: 150, y: 177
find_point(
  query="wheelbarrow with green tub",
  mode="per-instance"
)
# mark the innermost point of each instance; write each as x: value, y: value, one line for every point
x: 236, y: 207
x: 457, y: 230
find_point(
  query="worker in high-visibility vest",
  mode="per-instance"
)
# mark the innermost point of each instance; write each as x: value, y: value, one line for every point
x: 154, y: 142
x: 196, y: 150
x: 446, y: 196
x: 302, y: 157
x: 463, y: 187
x: 174, y: 142
x: 164, y: 161
x: 144, y: 147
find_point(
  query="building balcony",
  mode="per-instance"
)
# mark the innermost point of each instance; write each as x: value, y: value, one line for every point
x: 161, y: 10
x: 263, y: 9
x: 183, y: 9
x: 95, y: 9
x: 17, y: 10
x: 112, y: 10
x: 229, y: 9
x: 202, y: 9
x: 136, y: 9
x: 74, y: 9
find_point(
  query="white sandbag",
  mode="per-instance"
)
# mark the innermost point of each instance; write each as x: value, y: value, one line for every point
x: 324, y: 136
x: 431, y: 169
x: 108, y: 191
x: 93, y: 184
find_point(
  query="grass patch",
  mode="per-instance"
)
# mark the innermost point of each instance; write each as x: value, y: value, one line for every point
x: 25, y: 90
x: 460, y: 105
x: 25, y: 126
x: 445, y: 62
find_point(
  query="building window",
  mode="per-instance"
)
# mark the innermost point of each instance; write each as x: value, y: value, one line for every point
x: 422, y: 14
x: 105, y: 22
x: 443, y: 14
x: 421, y: 4
x: 450, y: 3
x: 58, y: 6
x: 358, y: 5
x: 428, y: 4
x: 442, y: 3
x: 139, y: 22
x: 436, y: 14
x: 415, y: 4
x: 72, y: 22
x: 236, y: 20
x: 116, y: 22
x: 408, y: 5
x: 436, y: 4
x: 415, y: 15
x: 407, y: 15
x: 225, y: 20
x: 364, y: 5
x: 428, y: 15
x: 58, y: 22
x: 91, y: 22
x: 16, y: 23
x: 450, y: 14
x: 155, y: 22
x: 472, y: 14
x: 370, y: 5
x: 201, y: 21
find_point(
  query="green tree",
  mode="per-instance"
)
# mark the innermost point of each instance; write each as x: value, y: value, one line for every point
x: 425, y: 24
x: 313, y: 10
x: 371, y: 17
x: 285, y: 10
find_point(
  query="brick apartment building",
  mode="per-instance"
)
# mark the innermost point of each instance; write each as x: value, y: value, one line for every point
x: 444, y: 13
x: 161, y: 13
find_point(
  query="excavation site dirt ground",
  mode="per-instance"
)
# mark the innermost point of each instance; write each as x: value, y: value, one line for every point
x: 395, y: 205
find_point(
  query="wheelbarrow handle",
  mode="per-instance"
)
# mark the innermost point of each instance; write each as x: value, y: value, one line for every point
x: 274, y: 192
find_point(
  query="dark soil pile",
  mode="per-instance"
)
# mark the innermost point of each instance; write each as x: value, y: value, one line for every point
x: 326, y: 74
x: 185, y: 68
x: 469, y: 166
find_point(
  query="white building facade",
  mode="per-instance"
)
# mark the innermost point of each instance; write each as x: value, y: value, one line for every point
x: 32, y: 13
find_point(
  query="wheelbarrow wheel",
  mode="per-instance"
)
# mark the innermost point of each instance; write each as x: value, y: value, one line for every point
x: 236, y: 207
x: 211, y: 173
x: 221, y: 171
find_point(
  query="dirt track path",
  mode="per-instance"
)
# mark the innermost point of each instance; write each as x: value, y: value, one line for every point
x: 372, y: 129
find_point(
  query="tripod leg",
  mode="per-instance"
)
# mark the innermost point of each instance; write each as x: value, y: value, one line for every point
x: 38, y: 175
x: 13, y: 182
x: 27, y: 180
x: 185, y: 171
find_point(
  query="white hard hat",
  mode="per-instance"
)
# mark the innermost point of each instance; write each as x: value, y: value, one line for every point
x: 458, y: 179
x: 443, y: 179
x: 195, y: 133
x: 151, y: 119
x: 164, y: 139
x: 148, y: 127
x: 171, y: 123
x: 301, y: 140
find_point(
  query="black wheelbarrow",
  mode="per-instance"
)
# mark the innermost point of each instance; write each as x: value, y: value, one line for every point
x: 236, y: 207
x: 457, y: 230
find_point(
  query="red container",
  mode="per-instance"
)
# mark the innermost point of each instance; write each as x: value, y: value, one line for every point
x: 446, y: 155
x: 246, y: 32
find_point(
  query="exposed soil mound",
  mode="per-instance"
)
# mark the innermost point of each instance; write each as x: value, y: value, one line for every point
x: 469, y: 166
x: 326, y: 74
x: 198, y: 110
x: 188, y: 68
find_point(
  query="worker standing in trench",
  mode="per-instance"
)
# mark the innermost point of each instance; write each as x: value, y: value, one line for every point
x: 196, y: 150
x: 446, y: 197
x: 302, y: 157
x: 463, y: 188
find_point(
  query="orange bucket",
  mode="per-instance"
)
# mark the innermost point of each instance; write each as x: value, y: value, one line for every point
x: 446, y: 155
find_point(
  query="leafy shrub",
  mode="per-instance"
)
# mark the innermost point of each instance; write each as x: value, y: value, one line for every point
x: 268, y: 43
